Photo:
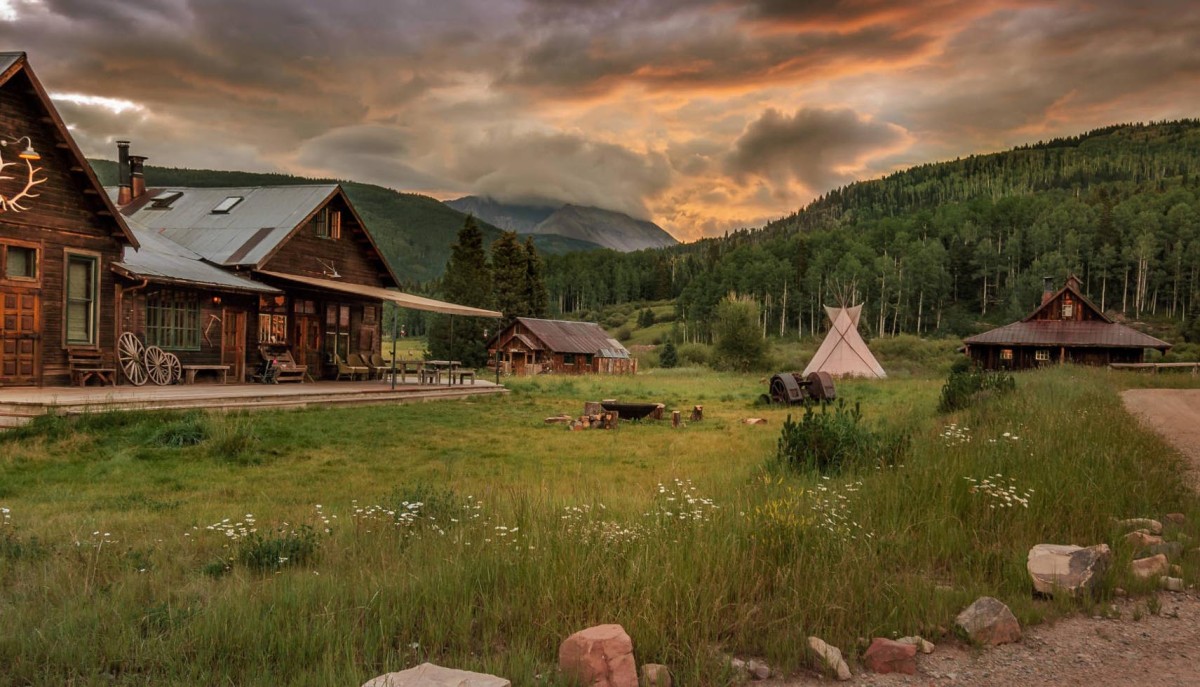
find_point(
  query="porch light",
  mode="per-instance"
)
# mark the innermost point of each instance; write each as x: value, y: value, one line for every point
x: 28, y: 153
x: 216, y: 300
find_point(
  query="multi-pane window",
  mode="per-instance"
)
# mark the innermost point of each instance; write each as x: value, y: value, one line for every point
x: 1041, y: 355
x: 337, y: 329
x: 81, y: 299
x: 173, y: 320
x: 1006, y: 354
x: 19, y: 262
x: 327, y: 224
x: 1068, y: 308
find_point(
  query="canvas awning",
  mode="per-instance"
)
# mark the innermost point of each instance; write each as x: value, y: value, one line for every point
x: 400, y: 298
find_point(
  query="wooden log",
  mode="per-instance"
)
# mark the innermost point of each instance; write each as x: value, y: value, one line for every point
x: 592, y: 408
x: 558, y: 420
x: 697, y: 413
x: 658, y: 412
x: 614, y: 419
x: 676, y: 418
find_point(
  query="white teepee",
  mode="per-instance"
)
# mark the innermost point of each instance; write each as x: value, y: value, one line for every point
x: 843, y: 353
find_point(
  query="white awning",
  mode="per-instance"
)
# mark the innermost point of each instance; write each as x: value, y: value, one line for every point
x: 400, y: 298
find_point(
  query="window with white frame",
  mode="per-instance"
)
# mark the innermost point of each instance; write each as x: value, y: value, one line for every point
x: 81, y: 301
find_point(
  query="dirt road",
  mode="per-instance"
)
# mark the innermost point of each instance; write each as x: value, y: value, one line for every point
x: 1132, y: 646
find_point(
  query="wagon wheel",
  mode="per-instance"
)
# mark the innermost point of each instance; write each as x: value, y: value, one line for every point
x: 778, y: 391
x: 130, y: 352
x: 174, y: 368
x: 158, y: 366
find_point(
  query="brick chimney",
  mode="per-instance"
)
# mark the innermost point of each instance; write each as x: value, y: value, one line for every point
x: 125, y: 191
x: 1047, y: 288
x: 138, y: 185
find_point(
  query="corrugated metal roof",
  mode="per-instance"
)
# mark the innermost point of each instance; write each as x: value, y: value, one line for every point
x: 1067, y: 333
x: 574, y: 337
x: 8, y: 59
x: 244, y: 235
x: 160, y: 259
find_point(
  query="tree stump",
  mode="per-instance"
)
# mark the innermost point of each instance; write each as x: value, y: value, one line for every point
x: 593, y: 408
x: 697, y: 413
x: 658, y: 412
x: 676, y: 418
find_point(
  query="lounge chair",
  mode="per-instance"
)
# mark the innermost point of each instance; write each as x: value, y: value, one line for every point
x: 351, y: 371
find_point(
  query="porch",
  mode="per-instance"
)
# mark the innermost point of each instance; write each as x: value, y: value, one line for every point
x: 19, y: 406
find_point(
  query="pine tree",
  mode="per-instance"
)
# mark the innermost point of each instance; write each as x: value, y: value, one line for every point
x: 467, y: 281
x: 509, y: 265
x: 536, y: 294
x: 669, y: 356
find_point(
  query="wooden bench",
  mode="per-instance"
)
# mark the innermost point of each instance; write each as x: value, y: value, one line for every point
x: 282, y: 362
x: 461, y: 376
x: 189, y: 372
x: 88, y: 364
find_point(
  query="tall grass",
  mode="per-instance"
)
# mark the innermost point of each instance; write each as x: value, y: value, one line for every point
x: 526, y: 533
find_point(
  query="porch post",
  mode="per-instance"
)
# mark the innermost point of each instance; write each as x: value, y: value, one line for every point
x: 395, y: 335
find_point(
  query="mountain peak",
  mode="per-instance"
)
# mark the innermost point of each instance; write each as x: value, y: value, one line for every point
x: 606, y: 228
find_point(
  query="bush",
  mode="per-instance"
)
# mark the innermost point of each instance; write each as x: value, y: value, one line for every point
x: 740, y: 345
x: 695, y: 354
x: 669, y: 357
x: 967, y: 381
x: 827, y: 441
x: 624, y: 334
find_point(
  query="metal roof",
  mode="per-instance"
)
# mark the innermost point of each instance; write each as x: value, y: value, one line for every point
x: 8, y: 59
x: 574, y: 337
x: 1068, y: 333
x: 161, y: 260
x: 400, y: 298
x: 245, y: 234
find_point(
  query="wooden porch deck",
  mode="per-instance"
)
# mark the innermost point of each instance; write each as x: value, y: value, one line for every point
x: 19, y: 406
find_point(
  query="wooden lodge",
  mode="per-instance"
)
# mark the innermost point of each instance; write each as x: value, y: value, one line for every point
x: 221, y: 279
x: 532, y: 346
x: 1065, y: 328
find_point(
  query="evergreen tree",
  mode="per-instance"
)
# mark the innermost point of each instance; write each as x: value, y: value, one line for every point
x: 509, y: 267
x: 740, y: 344
x: 467, y: 281
x: 537, y: 297
x: 669, y: 357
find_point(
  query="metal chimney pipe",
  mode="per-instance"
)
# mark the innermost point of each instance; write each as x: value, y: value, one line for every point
x: 124, y: 182
x: 138, y: 179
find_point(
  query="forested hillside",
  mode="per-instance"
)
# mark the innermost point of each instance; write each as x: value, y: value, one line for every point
x: 946, y: 247
x: 413, y: 231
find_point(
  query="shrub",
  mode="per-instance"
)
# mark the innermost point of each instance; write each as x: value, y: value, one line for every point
x: 827, y: 440
x: 740, y: 345
x: 695, y: 354
x: 669, y: 357
x: 963, y: 385
x: 624, y: 334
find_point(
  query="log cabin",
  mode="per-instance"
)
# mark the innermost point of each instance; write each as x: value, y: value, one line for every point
x: 219, y: 278
x: 1065, y: 328
x: 532, y: 346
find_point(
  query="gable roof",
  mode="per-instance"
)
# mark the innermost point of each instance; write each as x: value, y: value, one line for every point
x: 245, y: 235
x: 843, y: 353
x: 13, y: 63
x: 161, y: 260
x: 562, y: 336
x: 1071, y: 286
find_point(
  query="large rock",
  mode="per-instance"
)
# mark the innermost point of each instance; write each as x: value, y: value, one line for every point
x: 655, y: 675
x: 600, y: 656
x: 926, y: 647
x: 430, y: 675
x: 1170, y: 549
x: 989, y: 621
x: 1069, y: 569
x: 1150, y: 567
x: 1140, y: 539
x: 829, y: 658
x: 887, y: 656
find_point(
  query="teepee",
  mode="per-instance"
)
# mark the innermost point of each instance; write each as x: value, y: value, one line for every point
x: 843, y: 353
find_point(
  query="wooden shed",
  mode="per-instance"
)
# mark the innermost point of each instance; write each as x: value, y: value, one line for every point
x: 532, y: 346
x: 1065, y: 328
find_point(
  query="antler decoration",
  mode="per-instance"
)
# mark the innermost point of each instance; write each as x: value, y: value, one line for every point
x: 12, y: 203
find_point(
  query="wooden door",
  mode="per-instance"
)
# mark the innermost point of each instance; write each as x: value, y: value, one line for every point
x: 307, y: 343
x: 20, y: 337
x: 233, y: 343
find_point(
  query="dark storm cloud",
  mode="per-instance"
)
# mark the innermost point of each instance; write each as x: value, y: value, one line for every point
x: 809, y: 146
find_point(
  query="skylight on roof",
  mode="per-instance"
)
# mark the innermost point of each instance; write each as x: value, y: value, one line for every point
x: 226, y: 205
x: 163, y: 201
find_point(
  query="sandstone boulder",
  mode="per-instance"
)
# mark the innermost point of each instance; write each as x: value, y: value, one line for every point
x: 926, y: 647
x: 600, y: 656
x: 989, y: 621
x: 887, y: 656
x: 1154, y: 526
x: 655, y: 675
x: 1171, y: 584
x: 1072, y: 570
x: 1140, y: 539
x: 828, y: 658
x: 1150, y: 567
x: 1175, y: 518
x: 430, y: 675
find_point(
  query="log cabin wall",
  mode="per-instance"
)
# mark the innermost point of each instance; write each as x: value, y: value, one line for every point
x: 65, y: 218
x: 204, y: 346
x: 351, y: 255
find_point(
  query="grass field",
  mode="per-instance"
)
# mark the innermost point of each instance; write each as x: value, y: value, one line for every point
x: 127, y: 554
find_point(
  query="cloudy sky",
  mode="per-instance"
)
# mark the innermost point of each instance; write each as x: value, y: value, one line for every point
x: 702, y: 115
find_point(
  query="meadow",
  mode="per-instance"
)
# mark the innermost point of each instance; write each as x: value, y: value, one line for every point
x: 327, y: 546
